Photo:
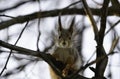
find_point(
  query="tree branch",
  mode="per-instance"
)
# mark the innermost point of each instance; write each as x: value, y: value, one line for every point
x: 99, y: 36
x: 101, y: 65
x: 53, y: 13
x: 45, y: 57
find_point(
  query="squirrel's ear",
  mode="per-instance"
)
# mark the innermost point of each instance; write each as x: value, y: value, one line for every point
x: 72, y: 25
x: 59, y: 23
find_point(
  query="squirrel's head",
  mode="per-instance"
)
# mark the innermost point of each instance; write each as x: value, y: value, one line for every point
x: 64, y: 37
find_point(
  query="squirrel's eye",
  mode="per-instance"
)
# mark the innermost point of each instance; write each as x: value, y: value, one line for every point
x: 59, y: 37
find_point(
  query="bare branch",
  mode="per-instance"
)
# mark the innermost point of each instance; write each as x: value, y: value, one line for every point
x: 45, y: 57
x: 42, y: 55
x: 104, y: 13
x: 53, y: 13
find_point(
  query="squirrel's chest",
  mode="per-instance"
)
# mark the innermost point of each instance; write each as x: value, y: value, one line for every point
x: 64, y: 54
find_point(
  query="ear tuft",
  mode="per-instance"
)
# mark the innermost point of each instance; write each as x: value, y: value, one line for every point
x: 59, y: 22
x: 72, y: 25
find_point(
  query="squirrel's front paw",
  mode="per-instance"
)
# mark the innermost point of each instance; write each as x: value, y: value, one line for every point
x: 64, y: 72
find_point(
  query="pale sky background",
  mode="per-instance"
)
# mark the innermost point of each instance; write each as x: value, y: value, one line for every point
x: 39, y: 70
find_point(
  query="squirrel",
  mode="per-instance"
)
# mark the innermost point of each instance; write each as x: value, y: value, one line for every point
x: 65, y: 51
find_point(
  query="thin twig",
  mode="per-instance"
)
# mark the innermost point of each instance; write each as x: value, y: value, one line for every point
x: 91, y: 57
x: 98, y: 4
x: 60, y: 13
x: 112, y: 27
x: 38, y: 28
x: 72, y: 4
x: 16, y: 5
x: 7, y: 16
x: 12, y: 50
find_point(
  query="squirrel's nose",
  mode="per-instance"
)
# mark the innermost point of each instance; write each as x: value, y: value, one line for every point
x: 64, y: 43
